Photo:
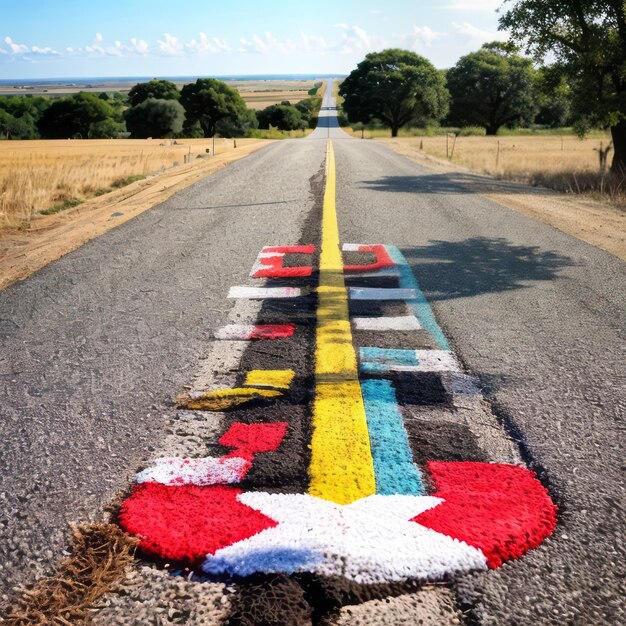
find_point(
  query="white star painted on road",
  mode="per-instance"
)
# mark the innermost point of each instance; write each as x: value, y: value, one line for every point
x: 371, y: 540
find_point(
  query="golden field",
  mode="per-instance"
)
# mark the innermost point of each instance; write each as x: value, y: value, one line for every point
x: 562, y: 162
x: 46, y: 174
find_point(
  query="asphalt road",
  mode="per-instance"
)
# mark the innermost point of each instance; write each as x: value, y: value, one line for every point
x: 95, y: 345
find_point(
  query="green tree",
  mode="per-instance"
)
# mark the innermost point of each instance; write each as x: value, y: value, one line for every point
x: 208, y: 101
x: 396, y: 86
x: 22, y: 127
x: 73, y: 116
x: 106, y: 129
x: 553, y: 97
x: 18, y: 106
x: 492, y: 87
x: 155, y: 118
x: 588, y: 39
x: 282, y: 117
x: 155, y: 88
x: 237, y: 126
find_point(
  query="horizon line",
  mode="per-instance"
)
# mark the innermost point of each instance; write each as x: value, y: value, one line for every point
x: 180, y: 76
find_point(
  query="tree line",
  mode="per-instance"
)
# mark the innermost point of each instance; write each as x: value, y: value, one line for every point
x: 584, y: 84
x: 156, y: 108
x: 491, y: 88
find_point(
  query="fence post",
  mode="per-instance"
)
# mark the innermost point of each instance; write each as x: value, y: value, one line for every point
x: 453, y: 144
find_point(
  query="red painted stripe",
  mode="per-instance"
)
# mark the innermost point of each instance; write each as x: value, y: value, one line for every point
x: 278, y: 271
x: 272, y: 267
x: 309, y: 249
x: 500, y: 509
x: 272, y: 331
x: 382, y: 260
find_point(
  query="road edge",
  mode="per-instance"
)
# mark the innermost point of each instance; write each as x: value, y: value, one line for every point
x: 68, y: 231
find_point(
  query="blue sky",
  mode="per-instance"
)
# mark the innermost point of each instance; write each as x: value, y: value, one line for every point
x: 78, y: 38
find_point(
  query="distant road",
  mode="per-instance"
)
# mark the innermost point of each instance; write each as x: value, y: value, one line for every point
x: 95, y: 345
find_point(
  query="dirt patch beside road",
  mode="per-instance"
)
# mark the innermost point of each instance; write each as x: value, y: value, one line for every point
x: 596, y: 223
x: 23, y: 252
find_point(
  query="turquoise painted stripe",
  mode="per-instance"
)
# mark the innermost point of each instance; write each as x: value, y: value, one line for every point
x: 378, y: 360
x: 389, y: 356
x: 394, y: 469
x: 419, y: 305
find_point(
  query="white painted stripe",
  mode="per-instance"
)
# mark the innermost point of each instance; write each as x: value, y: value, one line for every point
x: 430, y: 361
x: 262, y: 293
x: 235, y: 331
x: 402, y: 322
x: 438, y: 360
x: 202, y: 472
x: 383, y: 272
x: 351, y: 247
x: 373, y: 293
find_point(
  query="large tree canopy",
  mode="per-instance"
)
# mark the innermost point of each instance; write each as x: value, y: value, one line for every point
x: 155, y: 118
x: 281, y: 116
x: 73, y: 116
x: 397, y: 87
x: 588, y: 40
x: 492, y: 87
x: 159, y: 89
x: 208, y: 101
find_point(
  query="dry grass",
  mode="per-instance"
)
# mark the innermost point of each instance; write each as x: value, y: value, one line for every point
x: 561, y: 162
x: 41, y: 175
x: 100, y: 557
x: 260, y: 99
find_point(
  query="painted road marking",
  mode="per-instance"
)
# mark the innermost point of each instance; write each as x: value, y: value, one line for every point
x: 366, y: 516
x: 224, y: 399
x: 418, y: 303
x: 380, y: 360
x: 263, y: 293
x: 376, y: 293
x: 341, y: 468
x: 277, y: 379
x: 203, y: 471
x: 255, y: 331
x: 393, y: 460
x: 383, y: 260
x: 269, y: 263
x: 402, y: 323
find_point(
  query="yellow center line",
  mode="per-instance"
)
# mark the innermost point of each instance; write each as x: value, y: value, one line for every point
x: 342, y: 469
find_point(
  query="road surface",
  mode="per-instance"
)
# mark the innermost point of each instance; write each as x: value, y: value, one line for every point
x: 95, y: 346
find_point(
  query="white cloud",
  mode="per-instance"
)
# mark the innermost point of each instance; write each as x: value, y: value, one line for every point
x: 20, y: 49
x: 16, y: 48
x: 139, y: 45
x: 267, y: 44
x: 170, y: 45
x: 45, y: 50
x: 206, y: 46
x: 314, y: 44
x: 478, y: 36
x: 356, y: 39
x: 99, y: 37
x: 424, y: 37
